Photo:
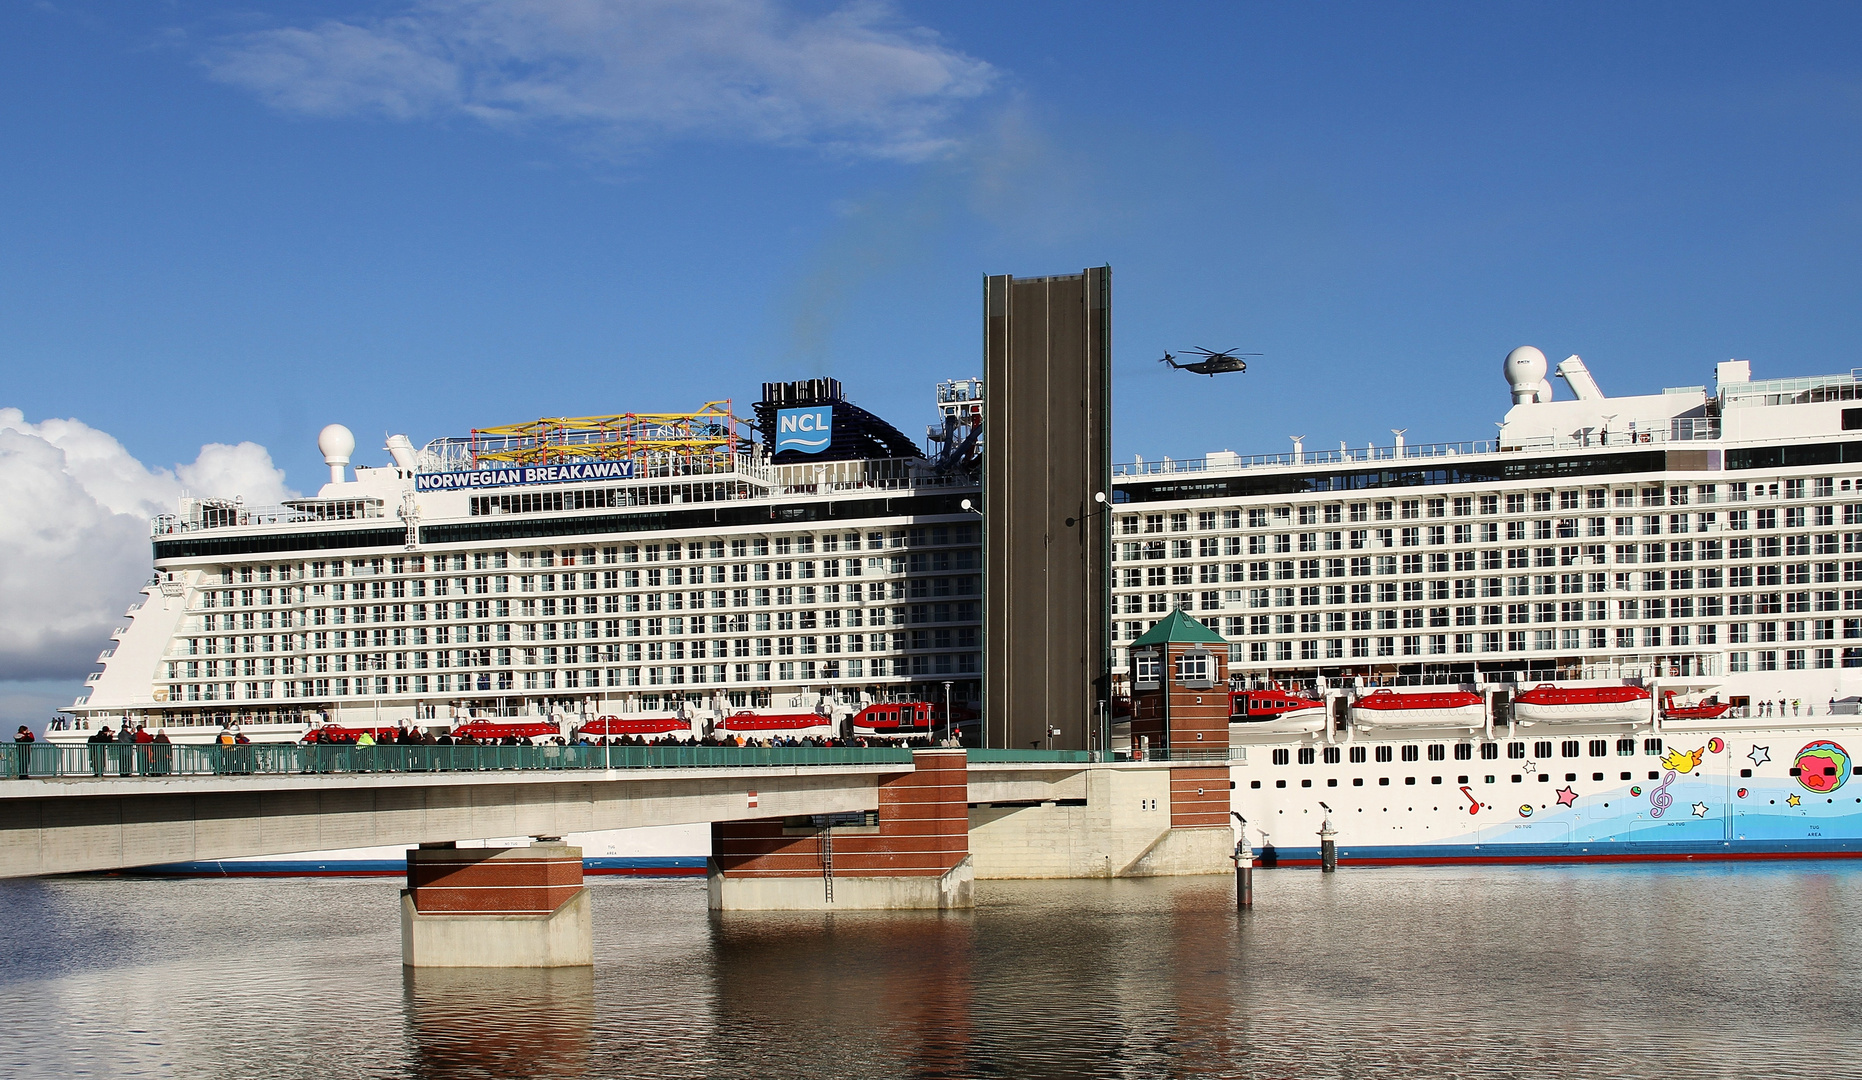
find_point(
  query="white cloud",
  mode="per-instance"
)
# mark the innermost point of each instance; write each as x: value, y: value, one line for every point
x: 74, y: 527
x: 857, y: 78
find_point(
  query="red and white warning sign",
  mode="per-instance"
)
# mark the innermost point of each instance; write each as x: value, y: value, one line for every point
x: 753, y: 800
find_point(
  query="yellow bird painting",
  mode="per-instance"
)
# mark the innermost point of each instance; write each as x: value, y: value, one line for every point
x: 1683, y: 761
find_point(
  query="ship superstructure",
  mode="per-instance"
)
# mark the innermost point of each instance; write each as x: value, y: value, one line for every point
x: 1711, y: 538
x: 627, y: 565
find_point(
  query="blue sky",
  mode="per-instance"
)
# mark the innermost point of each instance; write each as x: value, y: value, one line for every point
x: 1383, y: 199
x: 236, y: 223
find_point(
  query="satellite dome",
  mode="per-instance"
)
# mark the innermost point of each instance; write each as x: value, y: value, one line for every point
x: 337, y: 443
x: 1525, y: 369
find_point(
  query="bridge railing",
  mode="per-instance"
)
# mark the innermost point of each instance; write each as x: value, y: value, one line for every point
x: 46, y: 761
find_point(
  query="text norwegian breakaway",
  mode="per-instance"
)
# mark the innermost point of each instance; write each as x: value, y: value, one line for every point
x: 525, y: 474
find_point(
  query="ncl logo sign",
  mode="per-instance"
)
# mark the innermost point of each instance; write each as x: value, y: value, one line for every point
x: 805, y: 430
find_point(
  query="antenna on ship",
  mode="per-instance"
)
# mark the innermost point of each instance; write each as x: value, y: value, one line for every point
x: 337, y: 443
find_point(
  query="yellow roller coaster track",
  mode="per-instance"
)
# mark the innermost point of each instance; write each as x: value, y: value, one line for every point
x: 711, y: 431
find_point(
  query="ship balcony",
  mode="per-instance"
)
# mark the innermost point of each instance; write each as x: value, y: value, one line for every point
x: 117, y: 634
x: 105, y: 655
x: 93, y: 678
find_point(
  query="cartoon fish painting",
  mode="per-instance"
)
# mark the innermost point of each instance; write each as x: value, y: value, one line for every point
x: 1683, y: 761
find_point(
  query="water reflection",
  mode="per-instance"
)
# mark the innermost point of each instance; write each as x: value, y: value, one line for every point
x: 1504, y: 972
x: 470, y: 1022
x: 897, y: 985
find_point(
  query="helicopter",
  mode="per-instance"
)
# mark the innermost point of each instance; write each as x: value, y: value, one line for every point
x: 1212, y: 363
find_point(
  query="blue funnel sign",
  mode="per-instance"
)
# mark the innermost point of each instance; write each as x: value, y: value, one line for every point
x: 807, y: 431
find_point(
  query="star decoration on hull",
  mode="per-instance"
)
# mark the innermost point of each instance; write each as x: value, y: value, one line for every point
x: 1566, y: 796
x: 1700, y: 809
x: 1760, y: 755
x: 1794, y: 801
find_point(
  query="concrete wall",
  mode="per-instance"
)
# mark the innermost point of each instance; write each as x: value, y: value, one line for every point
x: 1128, y: 827
x: 564, y: 937
x: 953, y: 889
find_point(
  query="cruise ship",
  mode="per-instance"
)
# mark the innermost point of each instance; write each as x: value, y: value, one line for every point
x: 683, y: 574
x: 687, y: 567
x: 1626, y: 628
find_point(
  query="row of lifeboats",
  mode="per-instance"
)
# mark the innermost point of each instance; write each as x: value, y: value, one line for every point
x: 889, y: 720
x: 1278, y: 709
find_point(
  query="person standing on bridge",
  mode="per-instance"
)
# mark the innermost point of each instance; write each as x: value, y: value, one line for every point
x: 125, y: 750
x: 99, y: 741
x: 22, y: 748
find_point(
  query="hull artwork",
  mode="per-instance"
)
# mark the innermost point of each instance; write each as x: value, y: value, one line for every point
x: 1710, y: 792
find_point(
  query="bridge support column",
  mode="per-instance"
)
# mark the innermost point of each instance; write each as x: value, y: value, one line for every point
x: 496, y: 907
x: 915, y: 855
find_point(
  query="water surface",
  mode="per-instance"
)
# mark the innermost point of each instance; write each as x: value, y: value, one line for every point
x: 1731, y: 971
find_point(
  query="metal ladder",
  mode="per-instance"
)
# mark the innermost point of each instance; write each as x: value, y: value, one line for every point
x: 826, y: 842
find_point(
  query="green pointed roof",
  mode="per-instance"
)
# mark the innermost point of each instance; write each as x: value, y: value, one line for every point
x: 1178, y: 628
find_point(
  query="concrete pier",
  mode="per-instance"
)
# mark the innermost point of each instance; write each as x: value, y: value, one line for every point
x: 496, y: 907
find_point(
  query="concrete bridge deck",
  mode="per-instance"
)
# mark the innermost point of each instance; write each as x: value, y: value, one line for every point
x: 88, y: 823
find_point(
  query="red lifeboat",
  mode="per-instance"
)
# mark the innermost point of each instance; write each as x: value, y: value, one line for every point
x: 634, y: 725
x: 1546, y: 703
x: 749, y: 721
x: 1253, y: 705
x: 894, y: 719
x: 1429, y: 708
x: 495, y: 729
x: 1276, y: 709
x: 331, y: 733
x: 1710, y: 709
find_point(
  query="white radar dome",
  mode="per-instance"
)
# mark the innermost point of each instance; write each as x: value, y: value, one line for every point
x: 1525, y: 369
x: 337, y: 443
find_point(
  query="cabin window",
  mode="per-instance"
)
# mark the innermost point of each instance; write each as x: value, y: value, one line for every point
x: 1409, y: 780
x: 1464, y: 752
x: 1542, y: 749
x: 1331, y: 755
x: 1280, y: 783
x: 1383, y: 781
x: 1571, y: 748
x: 1652, y: 747
x: 1282, y: 756
x: 1411, y: 753
x: 1437, y: 752
x: 1489, y: 752
x: 1384, y: 754
x: 1306, y: 755
x: 1625, y: 748
x: 1516, y: 750
x: 1600, y: 748
x: 1357, y: 755
x: 1255, y: 784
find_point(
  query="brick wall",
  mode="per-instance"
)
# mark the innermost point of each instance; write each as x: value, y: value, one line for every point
x: 1199, y: 797
x: 923, y: 831
x: 493, y: 881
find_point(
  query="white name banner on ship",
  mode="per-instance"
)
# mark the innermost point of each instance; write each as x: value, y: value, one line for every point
x: 525, y: 474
